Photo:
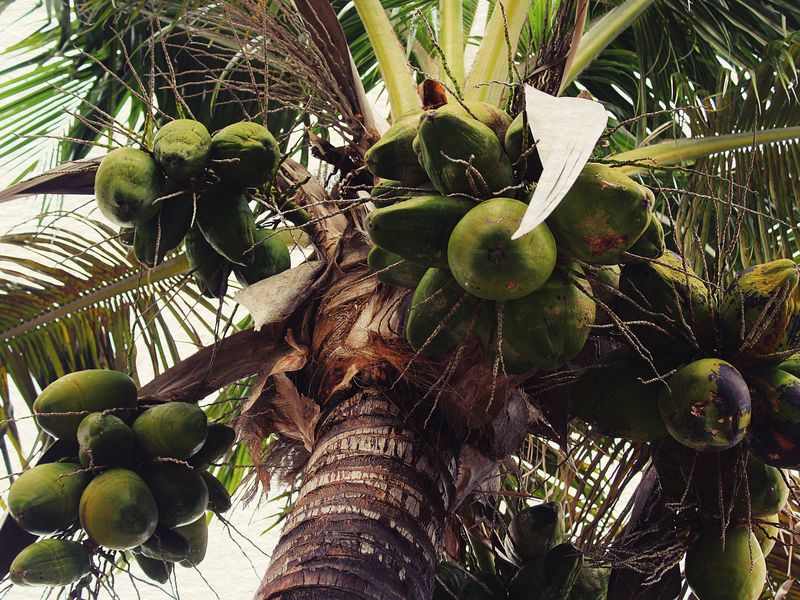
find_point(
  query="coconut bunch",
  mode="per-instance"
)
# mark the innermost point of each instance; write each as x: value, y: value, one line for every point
x: 192, y: 189
x: 724, y: 419
x: 139, y: 483
x: 732, y: 370
x: 455, y: 182
x: 536, y: 562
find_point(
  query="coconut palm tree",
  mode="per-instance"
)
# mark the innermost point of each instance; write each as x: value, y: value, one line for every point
x: 393, y: 458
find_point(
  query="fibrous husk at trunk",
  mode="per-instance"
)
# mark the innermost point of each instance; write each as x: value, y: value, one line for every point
x: 387, y: 462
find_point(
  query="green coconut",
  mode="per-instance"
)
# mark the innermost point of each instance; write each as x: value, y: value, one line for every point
x: 52, y: 563
x: 271, y: 256
x: 590, y: 584
x: 390, y: 191
x: 157, y: 570
x: 766, y: 494
x: 604, y: 281
x: 461, y: 155
x: 196, y: 533
x: 669, y: 294
x: 392, y: 157
x: 219, y: 500
x: 550, y: 326
x: 154, y: 239
x: 171, y: 430
x: 63, y: 404
x: 166, y: 544
x: 418, y: 229
x: 210, y: 269
x: 180, y: 493
x: 104, y: 440
x: 775, y: 430
x: 651, y: 243
x: 219, y: 440
x: 602, y: 215
x: 791, y: 365
x: 441, y: 313
x: 182, y: 148
x: 706, y: 405
x: 729, y: 570
x: 767, y: 531
x: 518, y: 140
x: 45, y: 498
x: 761, y: 312
x: 534, y: 531
x: 393, y: 269
x: 550, y: 578
x: 228, y: 224
x: 493, y: 117
x: 117, y: 510
x: 487, y: 263
x: 245, y: 155
x: 127, y: 184
x: 616, y: 400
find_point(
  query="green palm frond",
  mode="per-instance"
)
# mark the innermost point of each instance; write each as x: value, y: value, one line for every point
x: 404, y: 17
x: 72, y: 299
x: 645, y: 71
x: 756, y: 184
x: 101, y: 68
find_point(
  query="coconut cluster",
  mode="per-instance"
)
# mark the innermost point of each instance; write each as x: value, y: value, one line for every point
x: 456, y: 180
x: 139, y: 483
x: 722, y: 420
x: 536, y: 561
x: 192, y: 188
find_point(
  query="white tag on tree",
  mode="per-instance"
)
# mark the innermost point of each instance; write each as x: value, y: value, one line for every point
x: 566, y: 131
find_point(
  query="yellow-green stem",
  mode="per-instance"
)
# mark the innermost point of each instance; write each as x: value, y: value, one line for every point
x: 602, y: 32
x: 689, y: 149
x: 395, y: 70
x: 491, y: 62
x: 451, y: 34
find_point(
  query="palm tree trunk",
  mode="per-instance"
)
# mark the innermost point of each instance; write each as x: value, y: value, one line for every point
x: 369, y: 519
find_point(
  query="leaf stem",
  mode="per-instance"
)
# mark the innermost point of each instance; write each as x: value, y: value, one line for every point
x: 491, y: 62
x: 689, y: 149
x: 602, y: 32
x: 395, y: 70
x: 451, y: 32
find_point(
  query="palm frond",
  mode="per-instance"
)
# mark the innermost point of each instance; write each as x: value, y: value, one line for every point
x: 645, y: 71
x: 754, y: 186
x: 72, y: 299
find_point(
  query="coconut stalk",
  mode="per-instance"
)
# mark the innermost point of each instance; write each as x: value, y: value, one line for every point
x: 492, y: 61
x: 451, y: 31
x: 673, y: 152
x: 392, y: 62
